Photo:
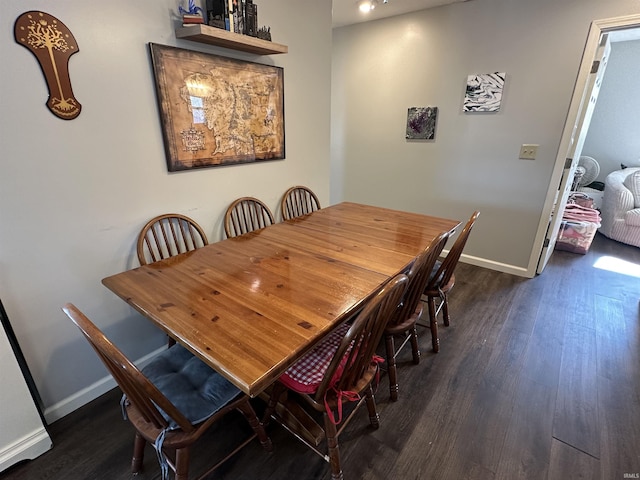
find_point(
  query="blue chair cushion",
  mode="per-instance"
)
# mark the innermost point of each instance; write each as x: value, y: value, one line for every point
x: 434, y: 270
x: 195, y: 389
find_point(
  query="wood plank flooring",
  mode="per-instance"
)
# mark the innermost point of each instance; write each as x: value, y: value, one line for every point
x: 536, y: 379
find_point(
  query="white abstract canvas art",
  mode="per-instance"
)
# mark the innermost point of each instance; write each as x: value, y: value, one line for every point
x: 484, y: 92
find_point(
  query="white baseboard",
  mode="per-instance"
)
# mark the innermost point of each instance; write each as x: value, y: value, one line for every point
x: 497, y: 266
x: 28, y: 447
x: 491, y: 265
x: 84, y: 396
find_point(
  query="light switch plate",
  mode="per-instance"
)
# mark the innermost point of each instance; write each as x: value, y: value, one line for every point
x: 528, y: 151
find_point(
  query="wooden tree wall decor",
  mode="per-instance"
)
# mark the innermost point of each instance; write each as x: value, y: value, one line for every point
x: 52, y: 43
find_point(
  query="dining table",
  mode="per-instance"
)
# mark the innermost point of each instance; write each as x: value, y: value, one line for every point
x: 251, y: 305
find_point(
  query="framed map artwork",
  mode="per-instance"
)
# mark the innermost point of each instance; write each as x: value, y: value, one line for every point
x: 216, y: 110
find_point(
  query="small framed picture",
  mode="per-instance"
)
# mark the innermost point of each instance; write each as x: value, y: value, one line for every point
x: 421, y: 123
x: 484, y: 92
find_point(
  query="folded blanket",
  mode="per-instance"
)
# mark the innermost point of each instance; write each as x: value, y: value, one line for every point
x: 579, y: 213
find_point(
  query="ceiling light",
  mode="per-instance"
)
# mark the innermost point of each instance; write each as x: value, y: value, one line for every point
x: 365, y: 6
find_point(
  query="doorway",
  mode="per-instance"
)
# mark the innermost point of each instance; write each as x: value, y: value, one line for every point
x: 572, y: 139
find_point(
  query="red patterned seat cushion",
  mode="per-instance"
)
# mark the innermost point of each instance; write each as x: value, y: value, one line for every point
x: 306, y: 374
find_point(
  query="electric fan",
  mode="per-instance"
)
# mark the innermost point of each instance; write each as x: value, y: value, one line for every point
x: 591, y: 170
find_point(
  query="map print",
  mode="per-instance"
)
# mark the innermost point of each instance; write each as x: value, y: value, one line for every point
x: 218, y: 110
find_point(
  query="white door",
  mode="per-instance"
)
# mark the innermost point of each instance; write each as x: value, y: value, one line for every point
x: 576, y: 142
x: 22, y: 433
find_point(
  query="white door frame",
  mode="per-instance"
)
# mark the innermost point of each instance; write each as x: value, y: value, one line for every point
x: 597, y: 28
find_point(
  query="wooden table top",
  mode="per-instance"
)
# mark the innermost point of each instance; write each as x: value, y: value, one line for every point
x: 249, y: 306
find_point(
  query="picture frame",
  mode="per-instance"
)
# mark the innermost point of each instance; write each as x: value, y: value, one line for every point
x: 217, y: 110
x: 484, y: 92
x: 421, y: 123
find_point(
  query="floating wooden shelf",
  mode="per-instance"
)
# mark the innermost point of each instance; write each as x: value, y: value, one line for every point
x: 222, y: 38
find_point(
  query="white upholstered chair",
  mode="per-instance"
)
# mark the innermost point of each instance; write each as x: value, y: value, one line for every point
x: 621, y: 206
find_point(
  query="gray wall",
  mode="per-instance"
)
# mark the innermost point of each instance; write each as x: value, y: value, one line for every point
x: 422, y: 59
x: 74, y: 194
x: 613, y: 136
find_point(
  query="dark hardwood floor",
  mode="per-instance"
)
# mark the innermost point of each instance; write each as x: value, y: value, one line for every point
x: 536, y: 379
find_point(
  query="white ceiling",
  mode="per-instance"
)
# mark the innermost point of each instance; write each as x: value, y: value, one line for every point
x: 346, y: 12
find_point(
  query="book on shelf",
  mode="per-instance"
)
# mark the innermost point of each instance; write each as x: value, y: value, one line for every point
x: 228, y: 8
x: 255, y: 20
x: 238, y: 16
x: 216, y: 13
x: 231, y: 9
x: 192, y: 19
x: 251, y: 18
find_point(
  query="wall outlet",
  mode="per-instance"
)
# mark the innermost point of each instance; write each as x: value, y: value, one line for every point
x: 528, y: 151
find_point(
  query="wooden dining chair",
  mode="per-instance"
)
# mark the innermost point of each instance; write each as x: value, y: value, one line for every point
x: 172, y: 402
x: 167, y: 235
x: 298, y: 201
x: 442, y: 281
x: 403, y: 322
x: 245, y: 215
x: 341, y: 369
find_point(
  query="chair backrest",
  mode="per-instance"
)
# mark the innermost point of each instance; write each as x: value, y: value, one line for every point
x: 167, y: 235
x: 298, y: 201
x: 358, y: 346
x: 419, y: 275
x: 134, y: 384
x: 445, y: 272
x: 245, y: 215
